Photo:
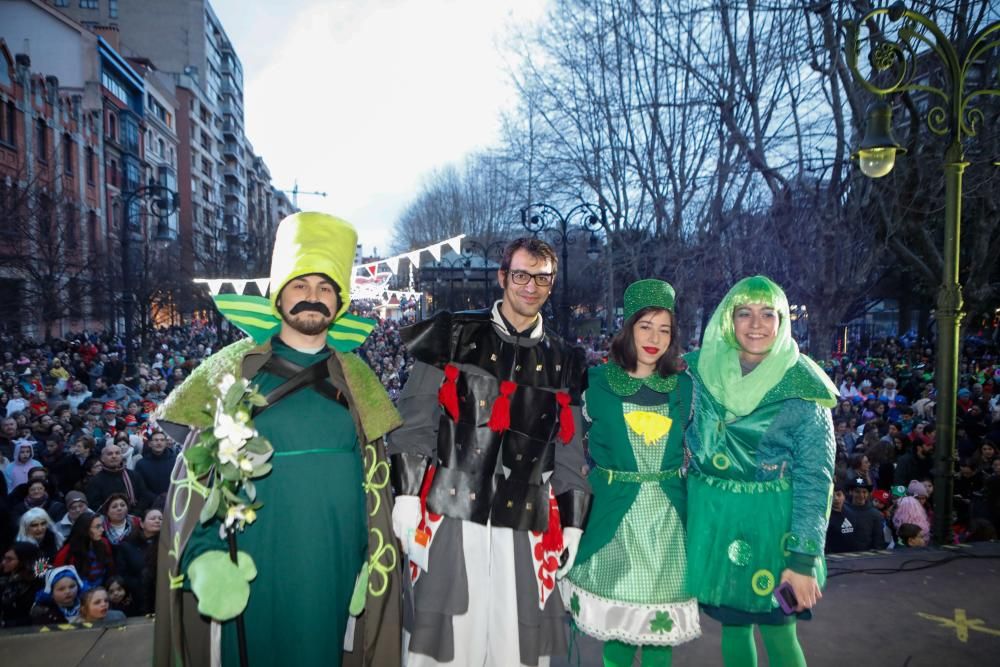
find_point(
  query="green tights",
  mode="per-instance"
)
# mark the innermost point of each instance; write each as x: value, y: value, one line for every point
x: 620, y: 654
x: 780, y: 642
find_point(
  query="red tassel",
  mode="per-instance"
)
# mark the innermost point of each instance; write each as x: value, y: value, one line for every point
x: 448, y: 392
x: 566, y: 426
x: 500, y: 414
x: 552, y: 540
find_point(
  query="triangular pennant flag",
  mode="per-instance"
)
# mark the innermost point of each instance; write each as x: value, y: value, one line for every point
x: 414, y: 258
x: 214, y: 285
x: 435, y: 251
x: 262, y: 284
x: 239, y: 286
x: 456, y: 243
x: 372, y: 268
x: 393, y: 264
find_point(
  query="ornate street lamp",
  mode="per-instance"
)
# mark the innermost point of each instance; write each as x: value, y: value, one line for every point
x: 475, y: 249
x: 541, y: 218
x: 901, y: 58
x: 159, y: 202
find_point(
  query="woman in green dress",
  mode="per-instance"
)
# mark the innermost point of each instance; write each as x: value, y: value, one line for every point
x: 761, y: 474
x: 627, y: 586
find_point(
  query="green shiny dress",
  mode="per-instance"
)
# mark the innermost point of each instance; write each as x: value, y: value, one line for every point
x: 629, y: 580
x: 759, y: 491
x: 310, y: 538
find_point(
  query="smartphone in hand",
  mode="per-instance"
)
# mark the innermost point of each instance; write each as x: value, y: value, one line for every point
x: 786, y: 598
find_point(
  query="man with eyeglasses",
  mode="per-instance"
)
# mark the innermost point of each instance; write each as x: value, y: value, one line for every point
x: 489, y: 474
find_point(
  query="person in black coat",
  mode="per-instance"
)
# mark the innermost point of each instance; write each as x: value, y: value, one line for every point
x: 156, y: 464
x: 114, y: 477
x: 135, y: 559
x: 18, y: 584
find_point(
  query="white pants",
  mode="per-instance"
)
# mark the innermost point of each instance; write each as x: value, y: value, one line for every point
x: 486, y: 634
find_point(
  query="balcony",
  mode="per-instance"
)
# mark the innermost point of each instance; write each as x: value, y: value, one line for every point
x: 231, y: 148
x: 231, y: 128
x: 236, y: 209
x: 232, y: 171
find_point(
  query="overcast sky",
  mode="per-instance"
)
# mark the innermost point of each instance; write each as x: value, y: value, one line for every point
x: 361, y: 99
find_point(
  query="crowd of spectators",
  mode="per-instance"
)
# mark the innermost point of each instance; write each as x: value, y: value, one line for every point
x: 886, y: 442
x: 85, y: 472
x: 85, y: 469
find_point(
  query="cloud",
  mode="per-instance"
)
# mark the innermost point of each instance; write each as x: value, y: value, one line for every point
x: 361, y: 99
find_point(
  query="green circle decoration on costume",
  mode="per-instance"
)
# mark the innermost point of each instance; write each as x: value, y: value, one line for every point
x: 739, y: 553
x: 762, y: 582
x: 721, y: 461
x: 788, y: 540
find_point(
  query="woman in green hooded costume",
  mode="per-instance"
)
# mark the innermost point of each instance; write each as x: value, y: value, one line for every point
x: 627, y: 587
x: 761, y: 473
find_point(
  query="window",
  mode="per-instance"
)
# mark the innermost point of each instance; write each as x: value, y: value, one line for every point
x: 75, y: 305
x: 67, y: 146
x: 89, y: 166
x: 8, y: 124
x: 112, y: 126
x: 89, y: 4
x: 112, y: 8
x: 72, y: 236
x: 42, y: 148
x: 61, y: 3
x: 92, y: 231
x: 113, y: 173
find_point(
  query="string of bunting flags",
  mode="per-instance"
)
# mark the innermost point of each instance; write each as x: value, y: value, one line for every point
x: 368, y: 281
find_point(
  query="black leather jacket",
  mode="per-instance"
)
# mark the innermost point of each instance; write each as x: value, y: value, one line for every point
x: 480, y: 474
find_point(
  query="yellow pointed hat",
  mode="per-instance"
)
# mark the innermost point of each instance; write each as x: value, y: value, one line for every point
x: 310, y: 242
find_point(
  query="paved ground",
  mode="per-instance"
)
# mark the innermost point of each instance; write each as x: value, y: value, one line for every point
x: 924, y: 608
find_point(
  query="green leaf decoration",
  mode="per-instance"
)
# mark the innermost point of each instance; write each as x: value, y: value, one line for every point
x: 574, y: 604
x: 229, y: 472
x: 221, y: 586
x: 258, y: 445
x: 261, y: 470
x: 211, y: 507
x: 257, y: 400
x: 360, y: 592
x: 199, y: 459
x: 662, y: 623
x: 233, y: 396
x: 250, y: 489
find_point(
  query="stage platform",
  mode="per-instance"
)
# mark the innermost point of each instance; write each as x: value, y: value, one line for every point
x: 912, y: 608
x: 916, y: 608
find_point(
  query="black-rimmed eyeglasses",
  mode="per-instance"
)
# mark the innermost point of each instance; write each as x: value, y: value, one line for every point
x: 522, y: 277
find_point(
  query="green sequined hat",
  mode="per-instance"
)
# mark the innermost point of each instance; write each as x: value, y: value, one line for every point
x: 648, y: 293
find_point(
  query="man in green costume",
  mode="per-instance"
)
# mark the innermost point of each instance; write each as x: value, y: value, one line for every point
x: 322, y: 541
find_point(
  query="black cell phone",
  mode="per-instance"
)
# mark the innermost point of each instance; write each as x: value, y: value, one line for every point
x: 786, y: 598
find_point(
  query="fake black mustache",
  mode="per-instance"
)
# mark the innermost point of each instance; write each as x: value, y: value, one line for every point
x: 303, y: 306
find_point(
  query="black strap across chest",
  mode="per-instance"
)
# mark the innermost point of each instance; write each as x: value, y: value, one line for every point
x: 298, y: 377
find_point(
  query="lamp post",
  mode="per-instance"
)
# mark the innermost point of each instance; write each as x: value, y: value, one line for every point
x: 540, y: 217
x: 474, y: 248
x: 951, y: 115
x: 160, y: 202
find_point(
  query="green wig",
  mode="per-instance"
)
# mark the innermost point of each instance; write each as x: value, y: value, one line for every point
x: 719, y: 359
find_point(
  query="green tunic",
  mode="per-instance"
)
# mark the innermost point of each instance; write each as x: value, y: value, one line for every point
x: 310, y: 538
x: 759, y: 491
x: 629, y: 581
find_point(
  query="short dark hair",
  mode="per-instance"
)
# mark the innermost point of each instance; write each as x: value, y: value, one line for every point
x: 908, y: 531
x: 538, y: 248
x: 623, y: 345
